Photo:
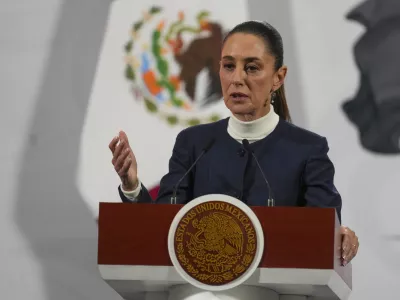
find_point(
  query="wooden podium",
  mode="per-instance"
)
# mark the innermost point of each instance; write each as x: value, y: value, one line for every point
x: 301, y: 253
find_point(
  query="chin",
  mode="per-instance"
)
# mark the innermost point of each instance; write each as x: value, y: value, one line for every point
x: 241, y: 109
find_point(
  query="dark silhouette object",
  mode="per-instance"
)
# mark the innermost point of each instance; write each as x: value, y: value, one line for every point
x: 202, y: 53
x: 375, y: 109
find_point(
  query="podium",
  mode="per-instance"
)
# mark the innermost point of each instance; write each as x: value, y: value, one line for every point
x: 301, y: 255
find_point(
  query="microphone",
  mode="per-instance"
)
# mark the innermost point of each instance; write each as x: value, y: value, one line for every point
x: 205, y: 149
x: 246, y: 145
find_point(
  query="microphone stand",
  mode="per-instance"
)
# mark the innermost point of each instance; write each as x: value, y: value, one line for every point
x: 270, y: 201
x: 173, y: 199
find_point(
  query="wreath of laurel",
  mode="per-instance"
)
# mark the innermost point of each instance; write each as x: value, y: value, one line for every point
x: 217, y: 278
x: 162, y: 64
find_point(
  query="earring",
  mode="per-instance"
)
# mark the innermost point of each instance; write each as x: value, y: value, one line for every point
x: 273, y: 96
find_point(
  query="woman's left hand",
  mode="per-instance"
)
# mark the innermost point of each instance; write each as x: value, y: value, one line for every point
x: 349, y: 244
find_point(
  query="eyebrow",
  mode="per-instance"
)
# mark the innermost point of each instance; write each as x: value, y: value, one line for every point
x: 246, y: 59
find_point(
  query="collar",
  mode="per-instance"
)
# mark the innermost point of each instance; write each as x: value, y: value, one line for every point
x: 253, y: 130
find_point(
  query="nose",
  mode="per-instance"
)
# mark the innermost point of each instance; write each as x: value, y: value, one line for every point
x: 238, y: 77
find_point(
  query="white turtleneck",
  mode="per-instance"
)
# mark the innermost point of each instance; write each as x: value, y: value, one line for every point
x: 239, y: 130
x: 253, y: 130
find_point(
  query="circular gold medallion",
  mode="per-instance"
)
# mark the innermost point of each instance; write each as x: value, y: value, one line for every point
x: 215, y: 242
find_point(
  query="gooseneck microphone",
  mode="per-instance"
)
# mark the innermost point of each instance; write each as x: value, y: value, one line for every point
x: 204, y: 151
x: 246, y: 145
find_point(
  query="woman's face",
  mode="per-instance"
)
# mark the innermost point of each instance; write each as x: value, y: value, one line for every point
x: 248, y: 76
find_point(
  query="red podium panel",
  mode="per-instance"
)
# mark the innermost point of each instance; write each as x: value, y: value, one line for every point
x: 299, y: 242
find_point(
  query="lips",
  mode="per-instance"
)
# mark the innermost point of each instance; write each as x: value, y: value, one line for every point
x: 238, y: 96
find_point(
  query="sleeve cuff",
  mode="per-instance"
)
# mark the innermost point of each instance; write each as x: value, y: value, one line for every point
x: 132, y: 195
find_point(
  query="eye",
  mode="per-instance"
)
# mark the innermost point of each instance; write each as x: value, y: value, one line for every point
x: 229, y: 66
x: 251, y: 68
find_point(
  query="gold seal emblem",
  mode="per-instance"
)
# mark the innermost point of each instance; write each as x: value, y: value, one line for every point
x: 215, y: 242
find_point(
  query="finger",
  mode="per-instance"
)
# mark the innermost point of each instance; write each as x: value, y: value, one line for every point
x: 345, y: 242
x: 346, y: 247
x: 121, y: 159
x: 124, y: 137
x: 113, y: 144
x: 344, y: 230
x: 349, y: 244
x: 121, y: 147
x: 346, y: 253
x: 355, y: 246
x: 349, y: 256
x: 125, y: 167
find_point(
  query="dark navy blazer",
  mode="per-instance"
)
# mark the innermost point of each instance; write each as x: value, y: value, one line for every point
x: 294, y: 160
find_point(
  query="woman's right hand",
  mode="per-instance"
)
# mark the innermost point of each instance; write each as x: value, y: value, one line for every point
x: 124, y: 161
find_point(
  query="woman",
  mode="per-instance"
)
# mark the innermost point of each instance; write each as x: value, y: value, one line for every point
x: 294, y: 160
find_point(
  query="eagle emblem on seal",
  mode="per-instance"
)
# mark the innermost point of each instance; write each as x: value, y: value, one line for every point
x: 220, y: 236
x: 215, y: 243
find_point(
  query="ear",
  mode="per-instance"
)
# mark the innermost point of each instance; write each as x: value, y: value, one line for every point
x: 279, y: 78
